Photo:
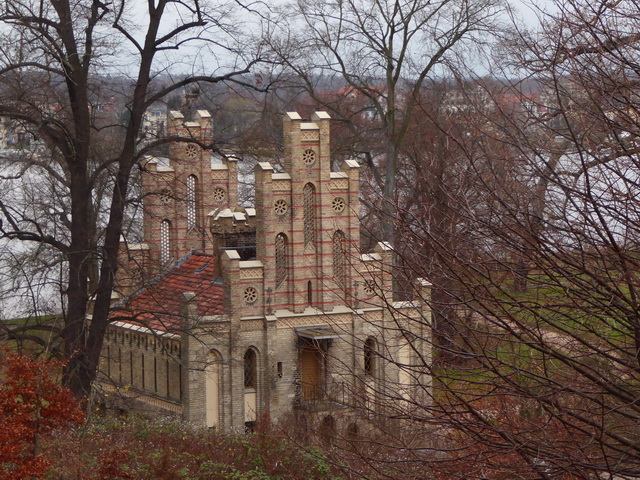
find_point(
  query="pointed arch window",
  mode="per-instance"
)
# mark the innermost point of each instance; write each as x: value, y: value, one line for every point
x: 339, y: 258
x: 165, y: 241
x: 250, y: 388
x: 370, y: 356
x: 282, y: 254
x: 309, y: 208
x: 250, y: 369
x: 192, y: 185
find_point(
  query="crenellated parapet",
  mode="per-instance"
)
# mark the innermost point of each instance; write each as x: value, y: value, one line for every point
x: 226, y: 220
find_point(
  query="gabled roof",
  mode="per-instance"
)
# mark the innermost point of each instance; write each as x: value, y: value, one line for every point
x: 157, y: 306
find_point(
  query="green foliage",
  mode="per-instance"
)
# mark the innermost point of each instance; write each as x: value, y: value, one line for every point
x: 318, y: 459
x: 574, y: 304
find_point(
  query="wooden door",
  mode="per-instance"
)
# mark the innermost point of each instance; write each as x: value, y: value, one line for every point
x: 311, y: 373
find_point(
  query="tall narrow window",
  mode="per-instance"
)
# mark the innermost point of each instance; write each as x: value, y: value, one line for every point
x: 339, y: 259
x: 308, y: 194
x: 191, y: 202
x: 165, y: 246
x: 250, y: 369
x: 309, y: 293
x: 250, y: 389
x: 369, y: 356
x: 281, y: 258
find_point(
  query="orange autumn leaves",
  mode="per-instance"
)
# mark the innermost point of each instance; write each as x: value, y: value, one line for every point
x: 32, y: 404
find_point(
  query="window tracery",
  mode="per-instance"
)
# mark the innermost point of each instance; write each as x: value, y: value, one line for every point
x: 339, y: 258
x: 191, y: 151
x: 250, y: 295
x: 309, y: 208
x: 281, y: 254
x: 338, y: 204
x: 191, y: 202
x: 219, y: 195
x: 165, y: 242
x: 280, y: 207
x: 309, y: 157
x: 250, y: 369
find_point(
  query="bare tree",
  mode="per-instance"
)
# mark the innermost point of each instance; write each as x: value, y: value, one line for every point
x: 382, y: 54
x: 55, y: 56
x: 369, y: 63
x: 549, y: 383
x: 544, y: 268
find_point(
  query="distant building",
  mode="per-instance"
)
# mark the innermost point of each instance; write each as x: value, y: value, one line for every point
x: 230, y: 313
x: 154, y: 122
x: 363, y: 102
x: 13, y: 134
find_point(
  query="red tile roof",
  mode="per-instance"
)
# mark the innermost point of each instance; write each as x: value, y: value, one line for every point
x: 157, y: 306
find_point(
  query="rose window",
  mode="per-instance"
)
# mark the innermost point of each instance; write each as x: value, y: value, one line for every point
x: 165, y: 196
x: 309, y: 157
x: 219, y: 195
x: 338, y: 204
x: 191, y: 151
x: 250, y: 295
x: 280, y: 207
x: 136, y: 275
x: 369, y: 287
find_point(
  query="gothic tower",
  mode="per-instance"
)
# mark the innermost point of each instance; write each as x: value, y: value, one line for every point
x: 180, y: 194
x: 308, y: 233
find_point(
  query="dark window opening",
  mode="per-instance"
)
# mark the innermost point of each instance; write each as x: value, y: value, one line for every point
x: 249, y: 369
x: 353, y: 431
x: 369, y: 356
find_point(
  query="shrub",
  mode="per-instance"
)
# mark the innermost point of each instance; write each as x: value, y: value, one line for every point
x: 32, y: 404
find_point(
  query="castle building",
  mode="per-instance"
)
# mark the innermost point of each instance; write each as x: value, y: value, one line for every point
x: 229, y: 314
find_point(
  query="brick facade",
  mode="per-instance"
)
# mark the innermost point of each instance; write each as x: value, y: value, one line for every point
x: 302, y: 323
